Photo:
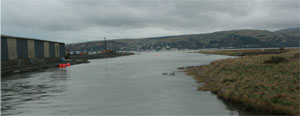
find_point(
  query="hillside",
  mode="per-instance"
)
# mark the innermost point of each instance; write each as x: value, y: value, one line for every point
x: 222, y: 39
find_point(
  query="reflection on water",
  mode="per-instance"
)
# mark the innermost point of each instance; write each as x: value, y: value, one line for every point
x: 130, y: 85
x: 31, y: 87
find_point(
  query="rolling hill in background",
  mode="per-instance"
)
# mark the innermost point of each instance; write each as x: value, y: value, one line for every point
x: 222, y: 39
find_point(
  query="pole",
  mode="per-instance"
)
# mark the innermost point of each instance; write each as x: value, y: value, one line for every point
x: 105, y: 46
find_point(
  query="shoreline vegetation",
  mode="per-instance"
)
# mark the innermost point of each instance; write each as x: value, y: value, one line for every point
x: 261, y: 80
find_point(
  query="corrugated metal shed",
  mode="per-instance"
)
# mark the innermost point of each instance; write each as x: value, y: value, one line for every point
x: 15, y: 48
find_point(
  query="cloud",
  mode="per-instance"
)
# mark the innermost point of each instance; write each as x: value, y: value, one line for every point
x: 77, y: 20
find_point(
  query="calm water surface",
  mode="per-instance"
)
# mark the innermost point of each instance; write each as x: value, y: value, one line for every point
x: 130, y: 85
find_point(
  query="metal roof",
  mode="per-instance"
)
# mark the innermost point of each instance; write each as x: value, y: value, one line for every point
x: 15, y: 37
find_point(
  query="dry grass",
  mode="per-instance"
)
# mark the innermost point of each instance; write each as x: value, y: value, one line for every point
x: 244, y: 52
x: 248, y: 80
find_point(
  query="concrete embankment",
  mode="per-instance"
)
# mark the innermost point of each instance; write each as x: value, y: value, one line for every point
x: 29, y: 65
x: 99, y: 56
x: 266, y: 83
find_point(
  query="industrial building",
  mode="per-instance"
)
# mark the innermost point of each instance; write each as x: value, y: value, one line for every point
x: 15, y: 48
x: 19, y: 53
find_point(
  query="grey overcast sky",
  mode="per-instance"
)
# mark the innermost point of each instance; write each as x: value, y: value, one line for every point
x: 74, y: 21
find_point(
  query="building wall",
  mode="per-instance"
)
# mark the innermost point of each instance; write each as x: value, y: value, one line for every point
x: 31, y: 51
x: 4, y: 51
x: 56, y: 50
x: 39, y: 49
x: 14, y: 48
x: 22, y: 49
x: 46, y: 49
x: 61, y: 49
x: 52, y: 49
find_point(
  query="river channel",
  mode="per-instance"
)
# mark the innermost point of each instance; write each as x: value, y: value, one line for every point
x: 129, y: 85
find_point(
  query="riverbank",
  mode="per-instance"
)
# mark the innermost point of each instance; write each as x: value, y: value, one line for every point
x: 99, y: 56
x: 249, y: 52
x: 30, y: 65
x: 263, y: 81
x: 130, y: 85
x: 22, y: 66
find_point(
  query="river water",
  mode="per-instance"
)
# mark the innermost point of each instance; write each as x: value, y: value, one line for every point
x: 129, y: 85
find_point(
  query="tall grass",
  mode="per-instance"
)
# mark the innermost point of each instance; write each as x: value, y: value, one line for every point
x: 249, y: 80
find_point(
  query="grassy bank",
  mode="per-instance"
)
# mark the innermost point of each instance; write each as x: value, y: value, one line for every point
x: 245, y: 52
x: 268, y: 82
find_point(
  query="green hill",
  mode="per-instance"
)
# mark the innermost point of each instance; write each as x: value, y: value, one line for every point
x: 222, y: 39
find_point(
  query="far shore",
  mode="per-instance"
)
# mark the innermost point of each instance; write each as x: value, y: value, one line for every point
x: 262, y: 80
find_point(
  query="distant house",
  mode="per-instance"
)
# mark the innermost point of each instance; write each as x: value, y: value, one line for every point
x: 92, y: 52
x: 75, y: 52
